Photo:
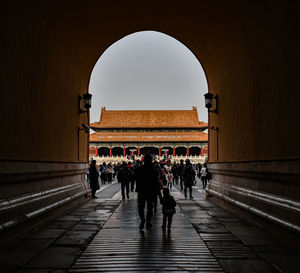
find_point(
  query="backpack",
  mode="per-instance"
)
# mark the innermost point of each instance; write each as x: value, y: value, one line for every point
x: 189, y: 173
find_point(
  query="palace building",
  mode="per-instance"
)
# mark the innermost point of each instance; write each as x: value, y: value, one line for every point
x: 169, y: 133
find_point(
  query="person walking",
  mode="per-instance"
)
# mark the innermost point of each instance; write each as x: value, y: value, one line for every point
x: 170, y: 179
x: 94, y: 175
x: 204, y: 175
x: 199, y: 166
x: 110, y: 171
x: 168, y: 209
x: 124, y: 176
x: 175, y: 173
x: 195, y: 180
x: 130, y: 166
x: 103, y: 169
x: 115, y: 170
x: 164, y: 176
x: 147, y: 186
x: 188, y: 177
x: 160, y: 181
x: 180, y: 169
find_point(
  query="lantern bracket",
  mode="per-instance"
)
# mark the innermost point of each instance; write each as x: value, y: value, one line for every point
x: 211, y: 100
x: 85, y: 99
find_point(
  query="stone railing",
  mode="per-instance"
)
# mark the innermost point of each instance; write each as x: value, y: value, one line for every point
x: 119, y: 159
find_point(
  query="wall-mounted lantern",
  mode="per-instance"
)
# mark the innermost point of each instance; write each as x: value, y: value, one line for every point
x: 85, y: 127
x: 86, y: 100
x: 209, y: 98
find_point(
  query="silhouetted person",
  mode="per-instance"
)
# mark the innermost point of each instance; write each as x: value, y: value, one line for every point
x: 188, y: 177
x: 180, y: 169
x: 147, y: 188
x: 94, y: 174
x: 124, y: 176
x: 204, y: 175
x: 199, y: 166
x: 103, y: 170
x: 170, y: 179
x: 168, y: 208
x: 110, y: 171
x: 158, y: 170
x: 130, y: 166
x: 175, y: 173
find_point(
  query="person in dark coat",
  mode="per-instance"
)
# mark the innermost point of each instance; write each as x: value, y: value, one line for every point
x: 188, y: 177
x: 158, y: 169
x: 124, y: 176
x: 148, y: 188
x: 94, y: 175
x: 131, y: 168
x: 175, y: 173
x: 168, y: 208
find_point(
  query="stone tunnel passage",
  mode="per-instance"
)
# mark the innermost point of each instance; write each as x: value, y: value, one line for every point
x: 249, y: 53
x: 102, y: 235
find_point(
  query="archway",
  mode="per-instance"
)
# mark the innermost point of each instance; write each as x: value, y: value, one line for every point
x: 131, y: 150
x: 194, y: 150
x: 165, y: 68
x: 149, y: 150
x: 180, y: 150
x: 117, y: 151
x: 48, y: 80
x: 166, y: 151
x: 103, y: 151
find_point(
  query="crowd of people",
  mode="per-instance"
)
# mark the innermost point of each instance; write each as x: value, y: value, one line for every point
x: 148, y: 179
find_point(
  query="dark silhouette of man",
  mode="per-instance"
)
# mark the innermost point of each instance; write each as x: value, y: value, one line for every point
x: 94, y: 178
x: 124, y: 176
x: 147, y: 186
x: 188, y: 177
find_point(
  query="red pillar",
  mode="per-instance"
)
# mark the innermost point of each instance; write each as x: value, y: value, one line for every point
x: 187, y: 151
x: 110, y: 151
x: 201, y: 153
x: 139, y: 152
x: 96, y: 151
x: 173, y: 151
x: 159, y: 151
x: 124, y: 152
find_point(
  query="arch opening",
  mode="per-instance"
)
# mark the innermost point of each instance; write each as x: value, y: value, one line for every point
x: 117, y: 151
x: 181, y: 151
x: 148, y: 71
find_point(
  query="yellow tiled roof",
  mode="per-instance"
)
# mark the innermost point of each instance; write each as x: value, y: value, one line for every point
x: 149, y: 119
x: 148, y: 136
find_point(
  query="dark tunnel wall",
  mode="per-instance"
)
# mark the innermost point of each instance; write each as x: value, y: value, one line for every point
x: 248, y: 49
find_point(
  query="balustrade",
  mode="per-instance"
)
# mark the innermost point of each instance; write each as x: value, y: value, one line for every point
x: 119, y: 159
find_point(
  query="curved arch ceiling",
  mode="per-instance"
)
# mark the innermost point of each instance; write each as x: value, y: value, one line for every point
x: 148, y: 70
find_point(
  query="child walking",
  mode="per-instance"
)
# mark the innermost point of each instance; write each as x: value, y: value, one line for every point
x: 170, y: 179
x: 168, y: 208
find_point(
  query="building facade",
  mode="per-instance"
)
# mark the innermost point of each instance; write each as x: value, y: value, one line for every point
x: 163, y: 133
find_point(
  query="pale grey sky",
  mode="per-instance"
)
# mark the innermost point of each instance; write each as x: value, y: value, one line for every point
x: 147, y: 70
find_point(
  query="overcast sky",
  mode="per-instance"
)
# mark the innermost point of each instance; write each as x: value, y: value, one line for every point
x: 147, y: 70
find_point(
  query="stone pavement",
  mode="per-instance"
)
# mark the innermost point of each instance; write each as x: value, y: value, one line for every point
x: 55, y: 246
x: 102, y: 235
x: 121, y: 247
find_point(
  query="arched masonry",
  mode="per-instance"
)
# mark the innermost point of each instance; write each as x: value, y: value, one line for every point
x: 249, y: 52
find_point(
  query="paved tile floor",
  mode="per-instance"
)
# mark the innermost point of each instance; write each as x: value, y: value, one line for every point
x: 102, y: 235
x: 121, y: 247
